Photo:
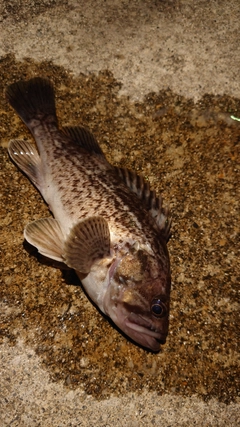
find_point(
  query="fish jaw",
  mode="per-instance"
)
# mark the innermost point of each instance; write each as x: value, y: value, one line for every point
x: 139, y: 329
x: 143, y: 336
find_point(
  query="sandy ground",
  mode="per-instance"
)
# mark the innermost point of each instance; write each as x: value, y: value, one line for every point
x: 158, y: 83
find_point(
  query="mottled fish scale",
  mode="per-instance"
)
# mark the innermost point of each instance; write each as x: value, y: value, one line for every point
x: 82, y: 191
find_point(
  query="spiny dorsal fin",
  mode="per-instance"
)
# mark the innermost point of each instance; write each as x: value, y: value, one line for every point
x: 153, y: 204
x: 83, y: 137
x: 87, y: 242
x: 26, y: 157
x: 46, y: 235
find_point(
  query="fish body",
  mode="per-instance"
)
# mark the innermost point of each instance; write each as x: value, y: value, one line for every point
x: 108, y: 225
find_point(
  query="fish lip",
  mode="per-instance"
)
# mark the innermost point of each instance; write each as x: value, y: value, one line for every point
x: 140, y: 324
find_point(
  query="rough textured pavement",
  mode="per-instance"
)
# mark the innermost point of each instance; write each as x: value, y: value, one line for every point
x: 158, y: 84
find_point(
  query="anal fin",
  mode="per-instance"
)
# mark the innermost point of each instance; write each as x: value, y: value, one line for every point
x: 88, y: 241
x: 46, y: 235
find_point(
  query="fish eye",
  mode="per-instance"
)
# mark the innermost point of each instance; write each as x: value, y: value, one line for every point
x: 158, y: 308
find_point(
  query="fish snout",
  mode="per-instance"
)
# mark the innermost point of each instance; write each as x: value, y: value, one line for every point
x: 149, y: 333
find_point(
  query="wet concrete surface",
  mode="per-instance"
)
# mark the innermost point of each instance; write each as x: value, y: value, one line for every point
x: 193, y: 164
x: 55, y: 342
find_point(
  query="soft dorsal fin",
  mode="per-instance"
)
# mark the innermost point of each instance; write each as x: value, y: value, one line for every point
x: 87, y: 242
x: 153, y: 204
x: 136, y: 183
x: 84, y: 138
x: 26, y: 157
x: 46, y: 235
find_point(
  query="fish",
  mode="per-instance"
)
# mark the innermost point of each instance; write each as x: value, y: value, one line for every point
x: 107, y: 223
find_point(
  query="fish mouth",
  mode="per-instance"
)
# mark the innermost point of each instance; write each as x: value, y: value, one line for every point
x: 143, y: 331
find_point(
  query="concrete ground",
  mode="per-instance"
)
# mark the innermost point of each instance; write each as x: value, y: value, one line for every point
x: 158, y: 84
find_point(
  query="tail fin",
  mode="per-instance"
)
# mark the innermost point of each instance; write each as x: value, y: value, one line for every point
x: 32, y: 99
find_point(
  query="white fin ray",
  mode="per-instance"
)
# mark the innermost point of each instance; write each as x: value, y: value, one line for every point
x: 88, y: 241
x: 46, y: 235
x: 26, y: 157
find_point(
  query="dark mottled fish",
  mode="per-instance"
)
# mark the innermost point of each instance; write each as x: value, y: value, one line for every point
x: 108, y: 225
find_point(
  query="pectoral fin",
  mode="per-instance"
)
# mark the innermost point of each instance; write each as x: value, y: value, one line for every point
x: 88, y: 241
x: 46, y: 235
x: 26, y: 157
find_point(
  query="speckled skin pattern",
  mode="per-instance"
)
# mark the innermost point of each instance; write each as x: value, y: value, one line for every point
x: 87, y: 185
x: 78, y: 183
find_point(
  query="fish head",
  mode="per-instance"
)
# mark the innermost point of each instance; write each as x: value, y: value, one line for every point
x: 138, y: 295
